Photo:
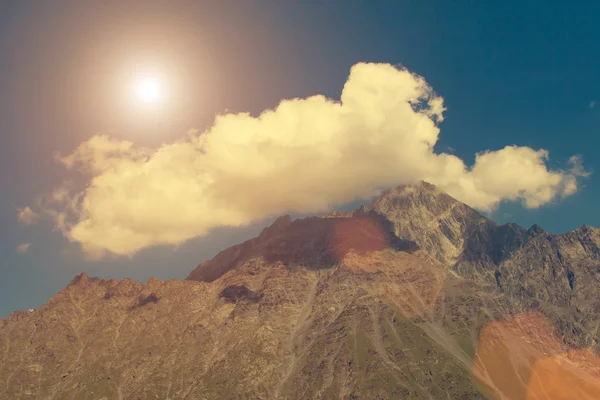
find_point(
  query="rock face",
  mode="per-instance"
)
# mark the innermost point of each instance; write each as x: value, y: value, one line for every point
x: 450, y: 231
x: 415, y: 296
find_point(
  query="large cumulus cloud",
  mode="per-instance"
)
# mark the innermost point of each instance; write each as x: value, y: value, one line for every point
x: 306, y: 155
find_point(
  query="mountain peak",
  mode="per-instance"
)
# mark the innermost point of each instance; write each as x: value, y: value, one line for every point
x: 586, y: 229
x: 412, y: 190
x: 535, y: 230
x: 419, y: 195
x: 437, y: 222
x: 280, y: 224
x: 80, y: 279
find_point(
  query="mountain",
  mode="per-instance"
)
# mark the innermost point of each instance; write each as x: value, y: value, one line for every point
x: 414, y: 296
x: 452, y: 232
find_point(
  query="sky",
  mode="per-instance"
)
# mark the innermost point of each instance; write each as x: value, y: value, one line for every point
x: 497, y: 103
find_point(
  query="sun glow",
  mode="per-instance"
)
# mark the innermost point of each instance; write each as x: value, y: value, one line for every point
x: 148, y: 89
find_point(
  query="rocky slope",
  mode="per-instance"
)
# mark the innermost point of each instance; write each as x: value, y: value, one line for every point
x: 414, y: 296
x: 455, y: 234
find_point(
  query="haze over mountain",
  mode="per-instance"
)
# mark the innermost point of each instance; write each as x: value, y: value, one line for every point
x: 415, y: 295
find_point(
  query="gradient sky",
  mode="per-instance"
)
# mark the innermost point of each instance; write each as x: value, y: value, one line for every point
x: 524, y: 73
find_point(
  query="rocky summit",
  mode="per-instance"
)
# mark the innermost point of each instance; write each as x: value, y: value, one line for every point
x: 415, y: 296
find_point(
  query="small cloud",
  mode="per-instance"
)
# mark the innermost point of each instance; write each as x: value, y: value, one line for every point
x: 593, y: 104
x: 27, y: 216
x: 23, y: 248
x: 577, y: 169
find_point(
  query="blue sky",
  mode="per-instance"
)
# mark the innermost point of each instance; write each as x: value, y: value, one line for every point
x: 522, y: 73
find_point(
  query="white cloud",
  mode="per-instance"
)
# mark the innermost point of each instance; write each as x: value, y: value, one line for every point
x: 305, y: 156
x: 27, y: 216
x: 23, y: 248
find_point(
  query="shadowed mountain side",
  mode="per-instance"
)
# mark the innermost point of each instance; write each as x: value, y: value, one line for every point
x: 312, y: 242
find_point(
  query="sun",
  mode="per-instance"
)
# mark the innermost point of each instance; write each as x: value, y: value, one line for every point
x: 148, y: 89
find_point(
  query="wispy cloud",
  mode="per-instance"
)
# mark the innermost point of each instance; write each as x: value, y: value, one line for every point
x: 576, y: 166
x: 304, y: 156
x: 23, y: 248
x: 27, y: 216
x: 593, y: 104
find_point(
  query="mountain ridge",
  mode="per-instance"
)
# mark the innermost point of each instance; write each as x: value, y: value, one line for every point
x: 413, y: 296
x: 464, y: 230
